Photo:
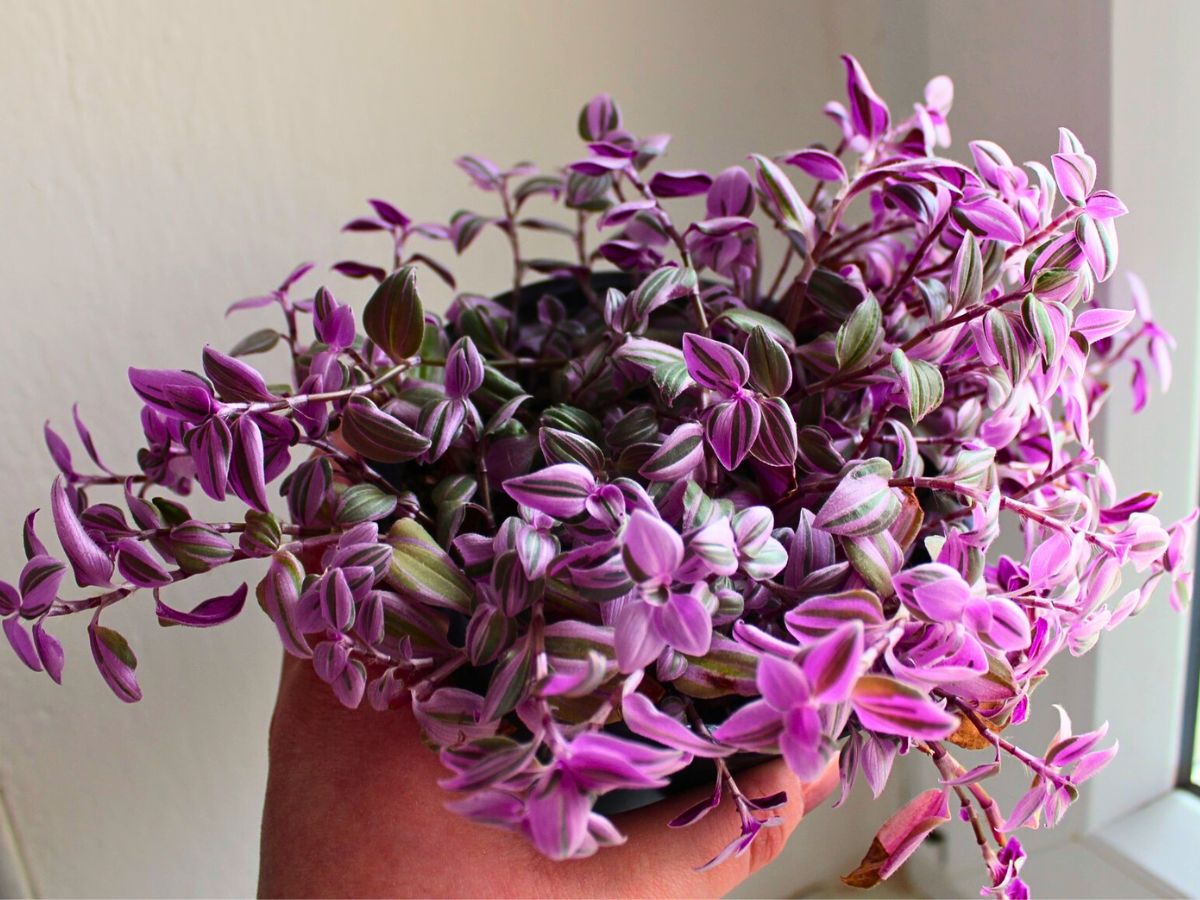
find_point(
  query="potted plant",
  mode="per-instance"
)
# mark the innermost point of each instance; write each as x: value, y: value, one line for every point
x: 673, y: 509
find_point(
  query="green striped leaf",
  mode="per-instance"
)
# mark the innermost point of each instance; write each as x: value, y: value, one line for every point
x: 818, y: 616
x: 422, y: 571
x: 776, y: 444
x: 1003, y: 341
x: 862, y: 504
x: 394, y: 317
x: 782, y: 199
x: 363, y: 503
x: 508, y: 682
x: 672, y: 379
x: 679, y: 454
x: 966, y: 278
x: 860, y: 335
x: 921, y: 383
x: 378, y: 436
x: 748, y: 319
x: 875, y: 558
x: 661, y: 287
x: 727, y: 669
x: 770, y: 366
x: 259, y: 342
x: 1038, y: 323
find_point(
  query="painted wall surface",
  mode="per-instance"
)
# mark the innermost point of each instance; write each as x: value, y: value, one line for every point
x: 161, y: 159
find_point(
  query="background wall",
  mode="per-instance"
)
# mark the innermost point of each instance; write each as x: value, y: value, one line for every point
x: 164, y: 158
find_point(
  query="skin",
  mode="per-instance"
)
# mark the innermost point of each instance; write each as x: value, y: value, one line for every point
x: 353, y: 809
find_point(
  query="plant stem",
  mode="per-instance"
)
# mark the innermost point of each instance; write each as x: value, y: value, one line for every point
x: 915, y: 262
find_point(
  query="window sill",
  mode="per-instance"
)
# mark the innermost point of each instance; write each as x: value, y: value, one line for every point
x: 1156, y: 844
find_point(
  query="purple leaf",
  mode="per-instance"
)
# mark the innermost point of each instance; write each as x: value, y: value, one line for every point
x: 214, y: 611
x: 868, y: 113
x: 821, y: 615
x: 252, y: 303
x: 330, y: 659
x: 831, y: 663
x: 686, y: 183
x: 777, y: 439
x: 279, y: 594
x: 1098, y: 324
x: 599, y: 118
x: 39, y: 583
x: 684, y: 623
x: 176, y: 394
x: 49, y: 651
x: 558, y: 817
x: 1098, y: 241
x: 234, y: 379
x: 350, y: 685
x: 10, y: 599
x: 732, y: 428
x: 819, y: 164
x: 115, y: 660
x: 22, y: 644
x: 595, y: 166
x: 753, y: 726
x: 991, y: 218
x: 138, y: 565
x: 508, y: 682
x: 889, y: 707
x: 295, y: 275
x: 92, y: 566
x: 247, y: 477
x: 464, y: 369
x: 485, y: 173
x: 1075, y: 174
x: 389, y: 213
x: 623, y: 212
x: 335, y: 600
x: 714, y: 365
x: 731, y: 194
x: 636, y: 640
x: 211, y: 446
x: 333, y: 322
x: 645, y: 720
x: 651, y: 548
x: 1104, y: 205
x: 33, y: 545
x: 560, y: 491
x: 58, y: 451
x: 352, y: 269
x: 782, y: 683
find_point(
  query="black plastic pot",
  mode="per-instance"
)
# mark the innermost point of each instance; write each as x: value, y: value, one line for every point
x: 700, y: 772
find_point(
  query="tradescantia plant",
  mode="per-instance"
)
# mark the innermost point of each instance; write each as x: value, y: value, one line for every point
x: 671, y: 505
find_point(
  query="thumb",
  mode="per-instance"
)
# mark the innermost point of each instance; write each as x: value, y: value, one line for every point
x: 664, y: 860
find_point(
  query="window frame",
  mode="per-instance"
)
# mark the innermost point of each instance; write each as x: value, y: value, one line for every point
x: 1189, y: 763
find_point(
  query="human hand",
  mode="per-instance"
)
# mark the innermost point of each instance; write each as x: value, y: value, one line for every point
x: 353, y: 809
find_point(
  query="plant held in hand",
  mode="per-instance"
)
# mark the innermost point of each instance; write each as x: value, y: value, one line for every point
x: 674, y: 503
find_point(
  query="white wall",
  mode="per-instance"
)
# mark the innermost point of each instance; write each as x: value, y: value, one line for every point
x: 163, y: 158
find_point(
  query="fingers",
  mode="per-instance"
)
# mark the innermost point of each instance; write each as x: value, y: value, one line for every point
x: 662, y: 861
